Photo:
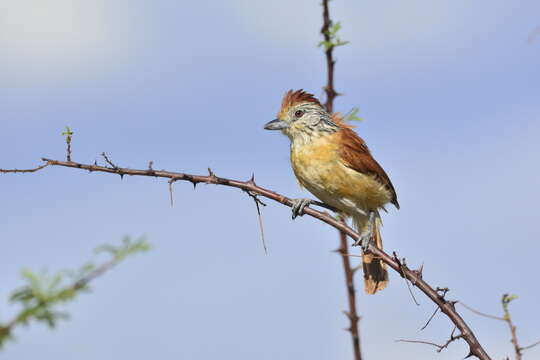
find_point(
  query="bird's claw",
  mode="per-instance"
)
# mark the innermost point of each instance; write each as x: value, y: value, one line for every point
x: 298, y: 207
x: 364, y: 240
x: 366, y: 236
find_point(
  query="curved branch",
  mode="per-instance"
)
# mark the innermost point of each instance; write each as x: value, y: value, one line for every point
x: 447, y: 307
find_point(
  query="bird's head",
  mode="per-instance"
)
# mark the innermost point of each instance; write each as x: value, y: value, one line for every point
x: 302, y: 117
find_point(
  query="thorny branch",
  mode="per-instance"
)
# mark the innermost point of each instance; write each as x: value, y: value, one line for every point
x: 351, y: 293
x: 329, y: 43
x: 402, y: 263
x: 446, y: 307
x: 330, y: 62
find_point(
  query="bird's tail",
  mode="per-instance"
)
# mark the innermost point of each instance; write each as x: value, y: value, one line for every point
x: 375, y: 273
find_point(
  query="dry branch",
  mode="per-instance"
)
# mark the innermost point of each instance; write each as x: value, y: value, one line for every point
x: 439, y: 347
x: 330, y: 62
x: 331, y: 94
x: 446, y: 307
x: 352, y: 314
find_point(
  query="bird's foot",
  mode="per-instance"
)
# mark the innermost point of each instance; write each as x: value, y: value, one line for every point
x: 366, y: 236
x: 365, y: 240
x: 298, y: 207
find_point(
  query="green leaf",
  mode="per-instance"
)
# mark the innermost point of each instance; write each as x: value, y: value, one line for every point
x: 333, y: 38
x: 68, y: 132
x: 353, y: 115
x: 43, y: 292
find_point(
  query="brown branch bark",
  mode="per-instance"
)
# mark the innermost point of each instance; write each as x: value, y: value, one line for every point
x: 330, y: 62
x: 351, y: 294
x: 447, y: 307
x: 343, y: 247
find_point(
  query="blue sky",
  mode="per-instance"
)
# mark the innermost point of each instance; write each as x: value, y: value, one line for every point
x: 449, y: 95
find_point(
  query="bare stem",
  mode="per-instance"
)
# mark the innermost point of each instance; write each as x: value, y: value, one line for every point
x: 343, y: 248
x: 351, y: 294
x: 330, y: 62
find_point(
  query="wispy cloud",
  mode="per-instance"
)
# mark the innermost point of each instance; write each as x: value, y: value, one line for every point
x: 58, y: 37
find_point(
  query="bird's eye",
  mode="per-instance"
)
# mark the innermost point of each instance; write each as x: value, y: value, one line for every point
x: 298, y: 113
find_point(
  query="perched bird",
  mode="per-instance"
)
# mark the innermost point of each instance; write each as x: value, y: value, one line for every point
x: 334, y: 164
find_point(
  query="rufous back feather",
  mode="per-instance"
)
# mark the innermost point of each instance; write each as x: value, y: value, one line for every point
x: 355, y: 153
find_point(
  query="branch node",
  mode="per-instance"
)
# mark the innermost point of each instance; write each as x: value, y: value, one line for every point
x: 150, y: 168
x: 442, y: 292
x: 68, y: 134
x: 108, y: 161
x: 258, y: 201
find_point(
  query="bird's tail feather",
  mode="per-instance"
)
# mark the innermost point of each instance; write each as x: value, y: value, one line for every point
x: 375, y: 273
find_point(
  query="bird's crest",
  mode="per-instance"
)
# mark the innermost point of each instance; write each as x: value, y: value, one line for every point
x: 293, y: 98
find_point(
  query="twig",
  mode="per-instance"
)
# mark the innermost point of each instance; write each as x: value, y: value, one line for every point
x: 259, y: 215
x: 82, y: 282
x: 261, y: 227
x: 531, y: 346
x: 330, y: 62
x: 343, y: 248
x: 351, y: 294
x: 68, y: 134
x: 505, y: 302
x: 5, y: 171
x: 479, y: 312
x: 403, y: 267
x: 171, y: 191
x: 110, y: 162
x: 439, y: 347
x: 150, y: 167
x: 447, y: 307
x: 430, y: 318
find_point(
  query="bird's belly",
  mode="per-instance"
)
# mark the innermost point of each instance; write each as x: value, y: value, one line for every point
x: 326, y: 177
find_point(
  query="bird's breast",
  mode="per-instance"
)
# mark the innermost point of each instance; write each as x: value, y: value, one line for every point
x: 318, y: 167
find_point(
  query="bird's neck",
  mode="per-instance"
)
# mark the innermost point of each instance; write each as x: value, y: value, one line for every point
x: 311, y: 134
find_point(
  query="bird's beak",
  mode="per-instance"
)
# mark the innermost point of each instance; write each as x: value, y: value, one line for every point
x: 276, y: 125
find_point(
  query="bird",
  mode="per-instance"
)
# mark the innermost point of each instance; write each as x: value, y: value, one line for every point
x: 333, y: 163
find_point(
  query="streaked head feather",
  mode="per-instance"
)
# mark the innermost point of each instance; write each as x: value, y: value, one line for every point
x: 292, y: 98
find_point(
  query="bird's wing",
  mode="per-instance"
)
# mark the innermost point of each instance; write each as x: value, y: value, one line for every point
x: 356, y: 155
